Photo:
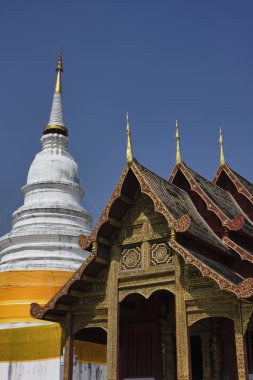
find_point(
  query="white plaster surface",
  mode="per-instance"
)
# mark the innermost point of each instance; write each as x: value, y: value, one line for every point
x: 35, y: 370
x: 50, y: 370
x: 46, y: 369
x: 86, y: 371
x: 56, y: 116
x: 44, y: 236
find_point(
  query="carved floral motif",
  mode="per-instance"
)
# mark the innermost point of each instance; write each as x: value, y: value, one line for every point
x: 160, y: 254
x: 131, y: 258
x: 83, y: 241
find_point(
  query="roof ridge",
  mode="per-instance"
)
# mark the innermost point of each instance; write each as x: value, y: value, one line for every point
x: 205, y: 179
x: 163, y: 179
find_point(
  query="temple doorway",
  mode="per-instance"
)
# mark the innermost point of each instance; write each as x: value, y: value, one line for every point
x: 196, y: 357
x: 90, y: 354
x: 147, y: 337
x: 213, y: 353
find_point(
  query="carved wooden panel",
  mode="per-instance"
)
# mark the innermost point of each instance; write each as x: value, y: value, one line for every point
x: 131, y: 258
x: 133, y: 234
x: 193, y: 272
x: 142, y: 223
x: 160, y: 253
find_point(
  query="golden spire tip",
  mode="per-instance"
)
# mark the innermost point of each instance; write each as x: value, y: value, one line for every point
x: 178, y: 151
x: 59, y: 69
x: 222, y: 157
x: 59, y: 61
x: 129, y: 153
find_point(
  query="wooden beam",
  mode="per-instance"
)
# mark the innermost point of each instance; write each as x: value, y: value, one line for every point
x: 99, y: 260
x: 104, y: 241
x: 126, y: 200
x: 76, y: 293
x: 62, y: 307
x: 114, y: 222
x: 89, y: 279
x: 79, y: 294
x: 53, y: 317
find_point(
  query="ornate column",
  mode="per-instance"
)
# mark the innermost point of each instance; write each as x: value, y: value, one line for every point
x: 216, y: 351
x: 240, y: 343
x: 182, y: 338
x: 167, y: 323
x: 205, y: 342
x: 69, y: 349
x: 113, y: 317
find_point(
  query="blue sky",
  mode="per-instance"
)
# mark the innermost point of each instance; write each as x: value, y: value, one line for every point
x: 190, y: 60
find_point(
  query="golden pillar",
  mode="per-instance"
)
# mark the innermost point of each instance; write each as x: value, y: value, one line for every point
x: 113, y: 317
x: 205, y: 342
x: 182, y: 334
x: 69, y: 349
x: 240, y: 343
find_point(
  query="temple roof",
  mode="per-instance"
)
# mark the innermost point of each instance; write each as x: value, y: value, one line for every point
x: 217, y: 200
x: 222, y: 199
x: 225, y: 277
x: 246, y: 184
x: 178, y: 202
x: 181, y: 214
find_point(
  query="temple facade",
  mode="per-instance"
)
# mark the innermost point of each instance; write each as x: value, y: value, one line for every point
x: 39, y: 255
x: 167, y: 287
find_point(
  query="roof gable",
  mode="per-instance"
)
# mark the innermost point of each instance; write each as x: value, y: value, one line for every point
x: 241, y: 189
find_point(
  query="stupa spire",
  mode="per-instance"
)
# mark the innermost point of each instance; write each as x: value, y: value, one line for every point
x: 178, y: 151
x: 129, y: 153
x: 59, y: 69
x: 56, y: 121
x: 222, y: 157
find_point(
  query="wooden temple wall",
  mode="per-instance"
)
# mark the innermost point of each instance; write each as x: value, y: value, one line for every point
x: 142, y: 263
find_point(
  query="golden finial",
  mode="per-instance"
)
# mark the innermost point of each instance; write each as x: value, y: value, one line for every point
x: 129, y: 153
x: 172, y: 233
x: 178, y: 152
x: 59, y: 69
x: 222, y: 158
x: 94, y: 247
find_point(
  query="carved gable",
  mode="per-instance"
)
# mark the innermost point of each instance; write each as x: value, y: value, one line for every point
x: 142, y: 223
x: 143, y: 237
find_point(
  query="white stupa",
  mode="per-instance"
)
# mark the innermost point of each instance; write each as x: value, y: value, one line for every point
x: 40, y: 253
x: 45, y: 229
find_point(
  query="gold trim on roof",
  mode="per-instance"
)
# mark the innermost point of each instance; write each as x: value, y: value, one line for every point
x: 129, y: 152
x: 178, y: 151
x: 222, y: 157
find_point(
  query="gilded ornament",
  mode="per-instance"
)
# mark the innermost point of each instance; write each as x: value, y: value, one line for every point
x: 131, y: 258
